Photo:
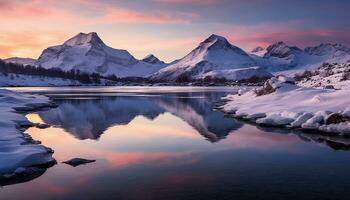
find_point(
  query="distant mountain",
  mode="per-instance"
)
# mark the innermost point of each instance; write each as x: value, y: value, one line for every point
x: 280, y: 57
x: 22, y: 61
x: 88, y: 53
x: 281, y: 50
x: 215, y: 57
x: 328, y: 50
x: 259, y: 51
x: 151, y: 59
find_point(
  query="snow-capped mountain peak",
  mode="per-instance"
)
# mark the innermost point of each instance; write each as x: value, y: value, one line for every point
x: 152, y: 59
x: 86, y: 52
x: 215, y: 57
x: 85, y: 39
x: 216, y: 42
x: 215, y: 39
x: 217, y: 50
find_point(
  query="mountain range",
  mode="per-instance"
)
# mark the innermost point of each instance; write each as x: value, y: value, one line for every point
x: 214, y: 58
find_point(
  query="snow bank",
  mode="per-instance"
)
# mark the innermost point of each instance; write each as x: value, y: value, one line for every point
x: 282, y: 103
x: 18, y: 151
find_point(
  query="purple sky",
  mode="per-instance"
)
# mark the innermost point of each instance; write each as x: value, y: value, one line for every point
x: 170, y: 28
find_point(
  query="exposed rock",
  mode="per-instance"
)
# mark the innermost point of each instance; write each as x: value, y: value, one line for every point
x: 336, y: 118
x: 42, y: 126
x: 257, y: 49
x: 266, y: 89
x: 78, y: 161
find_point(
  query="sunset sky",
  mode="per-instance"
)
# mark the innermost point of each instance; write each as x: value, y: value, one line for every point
x: 170, y: 28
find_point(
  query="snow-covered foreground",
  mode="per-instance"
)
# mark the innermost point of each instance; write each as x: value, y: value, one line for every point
x: 19, y: 153
x: 287, y: 105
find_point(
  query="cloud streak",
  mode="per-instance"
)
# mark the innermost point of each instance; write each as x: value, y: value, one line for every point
x: 121, y: 15
x: 40, y: 10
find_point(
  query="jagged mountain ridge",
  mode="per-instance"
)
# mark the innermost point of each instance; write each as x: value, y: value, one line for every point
x: 21, y: 61
x: 214, y: 57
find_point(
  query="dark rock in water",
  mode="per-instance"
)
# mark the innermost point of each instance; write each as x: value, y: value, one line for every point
x: 23, y: 108
x: 42, y: 126
x: 25, y: 124
x: 336, y: 118
x: 78, y: 161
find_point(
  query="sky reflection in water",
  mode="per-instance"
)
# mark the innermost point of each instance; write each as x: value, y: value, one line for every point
x: 174, y: 146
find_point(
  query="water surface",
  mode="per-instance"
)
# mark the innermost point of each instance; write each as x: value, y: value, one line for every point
x: 169, y: 143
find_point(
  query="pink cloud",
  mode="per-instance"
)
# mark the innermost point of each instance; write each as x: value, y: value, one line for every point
x: 27, y: 43
x: 294, y: 33
x: 51, y: 11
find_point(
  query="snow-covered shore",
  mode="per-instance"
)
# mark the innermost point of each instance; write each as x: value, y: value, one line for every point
x: 281, y: 103
x: 19, y: 153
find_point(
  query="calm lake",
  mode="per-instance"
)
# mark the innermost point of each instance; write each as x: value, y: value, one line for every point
x: 168, y: 143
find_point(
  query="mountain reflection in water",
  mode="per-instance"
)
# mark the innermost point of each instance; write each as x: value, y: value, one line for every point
x: 89, y: 118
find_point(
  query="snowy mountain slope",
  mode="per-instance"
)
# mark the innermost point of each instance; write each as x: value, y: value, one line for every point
x: 214, y: 57
x: 22, y: 61
x: 87, y: 52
